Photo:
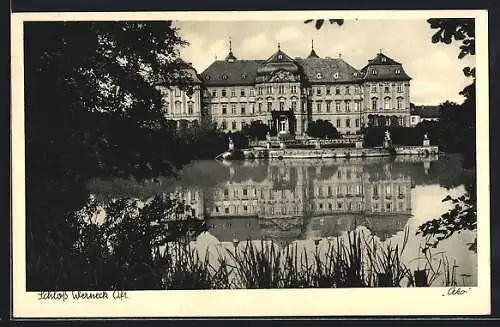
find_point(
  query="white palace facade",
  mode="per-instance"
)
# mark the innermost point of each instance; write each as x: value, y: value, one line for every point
x: 287, y: 93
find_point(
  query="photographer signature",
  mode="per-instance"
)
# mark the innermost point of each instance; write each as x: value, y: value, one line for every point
x: 457, y: 291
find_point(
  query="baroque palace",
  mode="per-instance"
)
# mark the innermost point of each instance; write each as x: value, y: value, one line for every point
x: 287, y: 93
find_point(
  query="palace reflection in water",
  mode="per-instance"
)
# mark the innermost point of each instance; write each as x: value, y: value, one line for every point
x: 293, y: 200
x: 304, y: 201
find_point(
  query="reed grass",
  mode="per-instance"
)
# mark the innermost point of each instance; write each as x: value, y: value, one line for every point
x: 353, y: 261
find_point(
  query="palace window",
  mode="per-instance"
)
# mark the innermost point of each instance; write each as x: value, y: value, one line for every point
x: 243, y: 124
x: 347, y: 90
x: 318, y: 90
x: 233, y: 108
x: 337, y: 90
x: 281, y: 89
x: 243, y: 108
x: 318, y: 106
x: 400, y: 88
x: 177, y: 107
x: 328, y: 90
x: 348, y: 106
x: 224, y: 124
x: 214, y: 93
x: 233, y: 125
x: 374, y: 88
x: 356, y: 89
x: 356, y: 106
x: 269, y: 90
x: 387, y: 103
x: 337, y: 106
x: 348, y: 123
x: 269, y: 106
x: 375, y: 190
x: 328, y: 106
x: 224, y: 92
x: 282, y: 105
x: 398, y: 71
x: 374, y: 104
x: 336, y: 75
x: 400, y: 103
x: 294, y: 105
x: 177, y: 92
x: 242, y: 92
x: 260, y: 107
x: 224, y: 109
x: 387, y: 89
x: 260, y: 90
x: 233, y: 92
x: 252, y: 92
x: 374, y: 72
x: 293, y: 89
x: 357, y: 122
x: 338, y: 122
x: 190, y: 108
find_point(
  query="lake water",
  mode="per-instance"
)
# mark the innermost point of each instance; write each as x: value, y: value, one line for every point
x: 308, y: 202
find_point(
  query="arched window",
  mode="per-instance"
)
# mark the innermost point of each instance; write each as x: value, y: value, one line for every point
x: 387, y: 103
x: 400, y: 103
x: 374, y: 103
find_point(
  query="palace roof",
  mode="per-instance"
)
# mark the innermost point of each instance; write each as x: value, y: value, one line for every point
x: 238, y: 72
x: 314, y: 69
x: 278, y: 61
x: 328, y: 70
x: 383, y: 68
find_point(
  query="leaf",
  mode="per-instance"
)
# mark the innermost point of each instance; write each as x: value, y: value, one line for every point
x: 436, y: 37
x: 319, y: 23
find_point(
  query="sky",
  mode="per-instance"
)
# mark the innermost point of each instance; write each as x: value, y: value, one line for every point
x: 435, y: 69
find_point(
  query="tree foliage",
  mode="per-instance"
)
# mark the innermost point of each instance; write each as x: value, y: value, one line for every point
x: 92, y: 108
x: 458, y: 127
x: 318, y: 23
x: 463, y: 216
x: 322, y: 129
x: 455, y: 29
x: 91, y: 92
x: 256, y: 130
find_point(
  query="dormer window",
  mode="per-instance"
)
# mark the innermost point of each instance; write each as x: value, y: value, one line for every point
x: 243, y: 76
x: 318, y: 76
x: 207, y: 77
x: 224, y: 76
x: 280, y: 57
x: 355, y: 74
x: 336, y: 75
x: 398, y: 71
x: 374, y: 72
x: 384, y: 59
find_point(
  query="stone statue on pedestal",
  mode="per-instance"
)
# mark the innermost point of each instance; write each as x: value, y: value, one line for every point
x: 426, y: 141
x: 231, y: 144
x: 387, y: 139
